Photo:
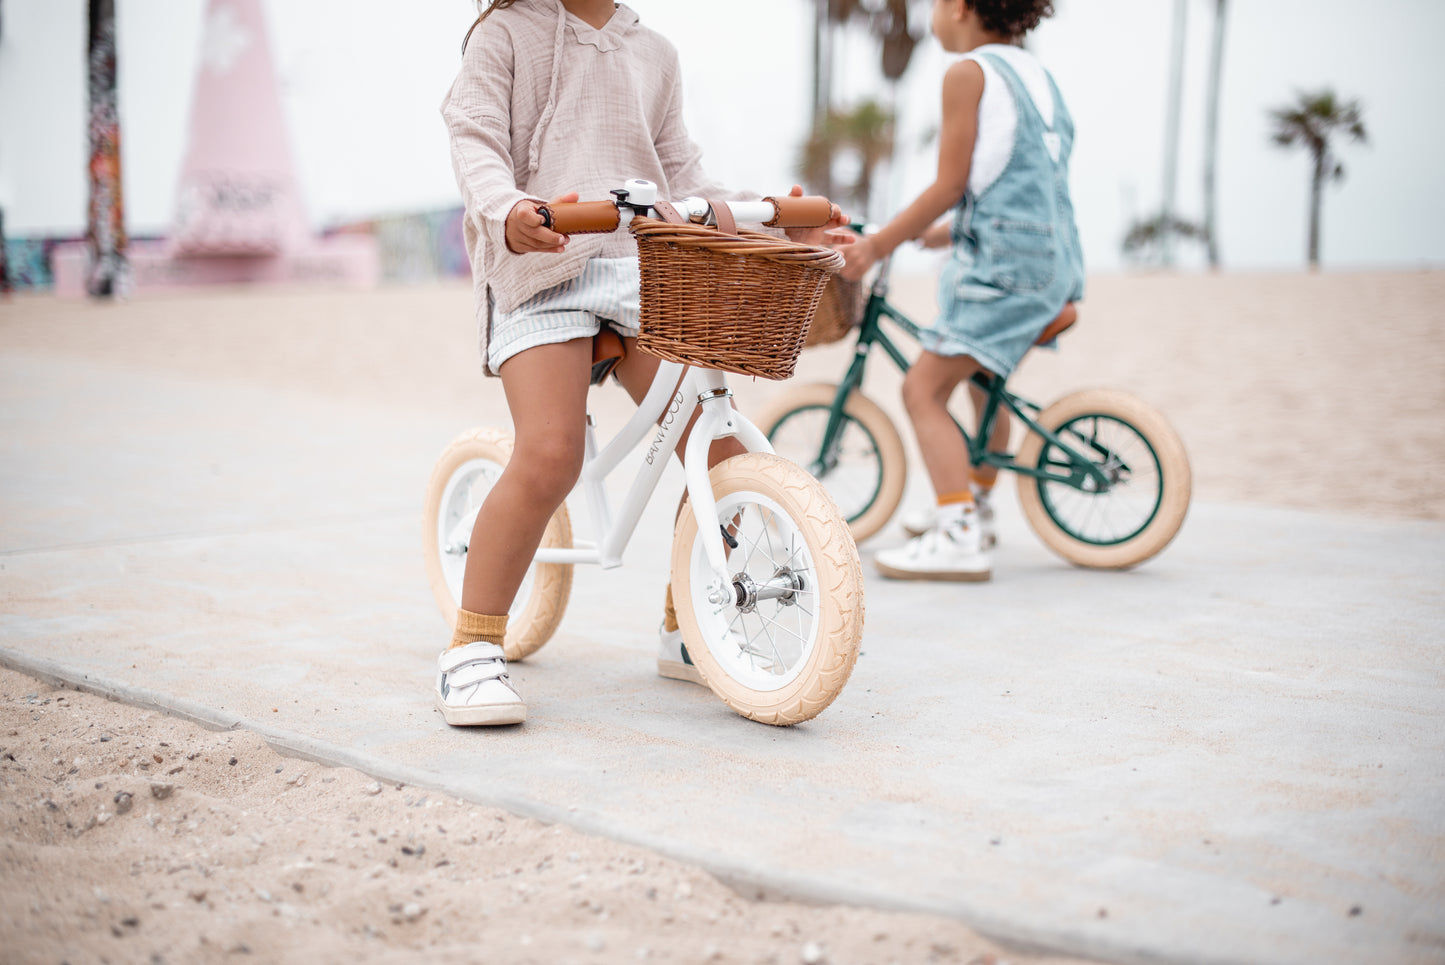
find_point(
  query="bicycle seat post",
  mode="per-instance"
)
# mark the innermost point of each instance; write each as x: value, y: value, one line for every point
x: 880, y: 280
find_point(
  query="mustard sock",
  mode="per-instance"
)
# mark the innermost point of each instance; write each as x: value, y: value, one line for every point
x: 472, y: 627
x: 669, y: 615
x: 954, y: 507
x: 960, y: 496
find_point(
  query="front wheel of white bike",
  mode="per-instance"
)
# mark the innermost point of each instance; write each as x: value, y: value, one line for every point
x: 778, y: 639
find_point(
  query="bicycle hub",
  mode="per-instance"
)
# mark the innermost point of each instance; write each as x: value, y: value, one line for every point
x: 783, y: 587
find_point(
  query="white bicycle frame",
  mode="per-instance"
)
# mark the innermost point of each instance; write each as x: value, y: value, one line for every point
x: 665, y: 411
x: 675, y: 392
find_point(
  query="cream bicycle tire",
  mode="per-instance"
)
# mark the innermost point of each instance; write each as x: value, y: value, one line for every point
x: 459, y: 481
x: 785, y: 522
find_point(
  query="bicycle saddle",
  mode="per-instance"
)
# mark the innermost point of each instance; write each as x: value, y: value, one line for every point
x: 607, y: 350
x: 1059, y: 325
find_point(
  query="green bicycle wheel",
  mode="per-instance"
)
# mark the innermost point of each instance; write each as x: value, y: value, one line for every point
x: 869, y: 470
x: 1140, y: 509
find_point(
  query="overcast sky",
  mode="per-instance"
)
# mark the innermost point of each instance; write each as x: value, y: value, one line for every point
x: 362, y: 81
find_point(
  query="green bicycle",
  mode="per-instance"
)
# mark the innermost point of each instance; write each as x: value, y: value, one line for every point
x: 1103, y: 478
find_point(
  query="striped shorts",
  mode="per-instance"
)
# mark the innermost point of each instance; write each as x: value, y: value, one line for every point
x: 609, y: 289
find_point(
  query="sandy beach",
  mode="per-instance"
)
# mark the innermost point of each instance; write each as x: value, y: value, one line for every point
x: 130, y: 835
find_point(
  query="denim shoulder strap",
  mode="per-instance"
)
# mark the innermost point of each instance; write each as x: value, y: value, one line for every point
x: 1021, y: 94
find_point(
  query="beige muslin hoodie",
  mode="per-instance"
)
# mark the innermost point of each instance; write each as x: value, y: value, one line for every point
x: 545, y: 104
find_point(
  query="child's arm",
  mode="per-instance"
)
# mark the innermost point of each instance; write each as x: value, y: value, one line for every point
x: 936, y: 235
x: 962, y: 89
x: 477, y: 111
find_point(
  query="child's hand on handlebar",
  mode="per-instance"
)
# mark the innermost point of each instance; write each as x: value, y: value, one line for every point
x: 858, y: 258
x: 527, y: 231
x: 833, y: 233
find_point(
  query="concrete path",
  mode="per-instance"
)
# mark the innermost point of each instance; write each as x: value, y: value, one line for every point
x: 1233, y: 754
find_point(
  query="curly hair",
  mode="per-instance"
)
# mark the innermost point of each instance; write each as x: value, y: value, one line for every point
x: 1011, y: 18
x: 493, y: 5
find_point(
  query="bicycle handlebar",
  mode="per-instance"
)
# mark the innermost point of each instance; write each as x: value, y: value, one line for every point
x: 601, y: 217
x: 581, y: 217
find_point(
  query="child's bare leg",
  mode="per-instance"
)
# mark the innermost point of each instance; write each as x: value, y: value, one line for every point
x: 998, y: 438
x: 952, y: 549
x: 926, y: 390
x: 546, y: 390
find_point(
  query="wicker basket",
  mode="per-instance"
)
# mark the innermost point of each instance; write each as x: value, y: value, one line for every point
x: 740, y: 303
x: 840, y: 309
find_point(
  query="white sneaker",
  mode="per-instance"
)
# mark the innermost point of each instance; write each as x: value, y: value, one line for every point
x: 983, y: 503
x: 473, y: 687
x: 921, y: 521
x: 672, y: 658
x: 950, y: 553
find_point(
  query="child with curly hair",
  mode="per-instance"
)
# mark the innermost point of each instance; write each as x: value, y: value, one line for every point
x: 1003, y: 167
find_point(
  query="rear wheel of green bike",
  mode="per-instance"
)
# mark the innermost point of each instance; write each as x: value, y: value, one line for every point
x: 870, y: 470
x: 1131, y: 518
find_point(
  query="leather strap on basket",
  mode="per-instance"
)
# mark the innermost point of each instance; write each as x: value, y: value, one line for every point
x: 666, y: 212
x: 723, y: 215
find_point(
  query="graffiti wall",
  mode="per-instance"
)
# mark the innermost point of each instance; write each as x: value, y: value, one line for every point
x: 28, y: 262
x: 419, y: 247
x: 105, y: 231
x: 426, y: 246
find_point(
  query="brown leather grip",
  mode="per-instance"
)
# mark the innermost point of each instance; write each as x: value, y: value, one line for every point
x: 809, y: 212
x: 581, y: 217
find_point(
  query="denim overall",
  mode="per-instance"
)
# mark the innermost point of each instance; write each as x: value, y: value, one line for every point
x: 1016, y: 259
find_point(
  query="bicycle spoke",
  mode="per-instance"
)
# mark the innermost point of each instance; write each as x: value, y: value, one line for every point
x: 780, y: 661
x: 1125, y: 504
x: 773, y: 634
x: 852, y: 468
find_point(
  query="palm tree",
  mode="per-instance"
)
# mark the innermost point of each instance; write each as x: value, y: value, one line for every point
x: 105, y: 230
x: 827, y: 16
x: 896, y: 42
x: 1171, y: 129
x: 1211, y: 136
x: 1150, y: 241
x: 1312, y: 121
x: 867, y: 127
x: 867, y: 131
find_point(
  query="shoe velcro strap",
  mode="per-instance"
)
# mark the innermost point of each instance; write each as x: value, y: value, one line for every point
x: 475, y: 673
x: 472, y: 652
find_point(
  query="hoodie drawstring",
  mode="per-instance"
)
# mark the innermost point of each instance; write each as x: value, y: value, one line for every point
x: 534, y: 150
